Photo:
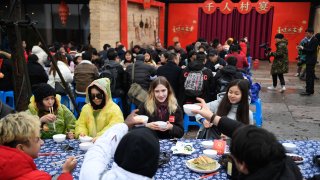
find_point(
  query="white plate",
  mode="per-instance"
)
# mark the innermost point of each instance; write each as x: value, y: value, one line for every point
x: 179, y: 148
x: 195, y: 169
x: 297, y: 162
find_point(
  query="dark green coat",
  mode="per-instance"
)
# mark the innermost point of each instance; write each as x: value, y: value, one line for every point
x: 280, y: 62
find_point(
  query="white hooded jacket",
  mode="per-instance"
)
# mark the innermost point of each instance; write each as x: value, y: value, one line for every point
x: 95, y: 164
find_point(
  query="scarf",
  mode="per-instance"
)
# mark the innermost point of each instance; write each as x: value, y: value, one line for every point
x: 162, y: 109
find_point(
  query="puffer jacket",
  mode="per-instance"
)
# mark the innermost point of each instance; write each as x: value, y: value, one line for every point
x: 106, y: 117
x: 37, y: 73
x: 280, y: 62
x: 65, y: 119
x: 84, y: 73
x: 15, y: 164
x: 142, y: 73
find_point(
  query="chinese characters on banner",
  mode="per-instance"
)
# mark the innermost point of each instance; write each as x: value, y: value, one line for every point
x: 290, y: 29
x: 182, y: 28
x: 244, y: 6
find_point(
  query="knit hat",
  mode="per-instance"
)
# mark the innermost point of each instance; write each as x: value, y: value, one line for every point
x: 42, y: 90
x: 140, y: 57
x: 279, y: 36
x: 138, y: 152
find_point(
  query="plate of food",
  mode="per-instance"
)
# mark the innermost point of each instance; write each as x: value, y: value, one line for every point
x: 182, y: 148
x: 203, y: 164
x: 296, y: 158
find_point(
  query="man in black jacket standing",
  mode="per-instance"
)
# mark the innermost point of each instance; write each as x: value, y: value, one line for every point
x: 310, y: 50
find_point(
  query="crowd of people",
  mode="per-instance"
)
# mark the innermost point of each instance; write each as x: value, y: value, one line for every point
x: 210, y: 73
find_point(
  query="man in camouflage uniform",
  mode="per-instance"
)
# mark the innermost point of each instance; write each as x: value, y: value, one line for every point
x: 280, y: 62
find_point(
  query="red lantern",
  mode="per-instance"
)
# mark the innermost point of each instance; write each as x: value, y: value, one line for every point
x: 63, y: 12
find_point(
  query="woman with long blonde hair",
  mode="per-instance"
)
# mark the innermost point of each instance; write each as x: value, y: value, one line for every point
x: 161, y: 105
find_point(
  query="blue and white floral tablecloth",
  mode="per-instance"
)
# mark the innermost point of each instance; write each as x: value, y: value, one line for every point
x: 176, y: 168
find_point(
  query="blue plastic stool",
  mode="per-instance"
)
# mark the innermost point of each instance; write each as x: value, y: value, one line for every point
x: 1, y: 96
x: 8, y: 98
x: 132, y: 107
x: 118, y: 101
x: 187, y: 123
x: 65, y: 100
x: 80, y: 101
x: 257, y: 115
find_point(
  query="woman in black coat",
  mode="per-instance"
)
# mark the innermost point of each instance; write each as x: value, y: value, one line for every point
x: 37, y: 74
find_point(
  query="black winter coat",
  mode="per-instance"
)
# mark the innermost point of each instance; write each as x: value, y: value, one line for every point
x: 6, y: 83
x: 142, y: 74
x: 282, y: 169
x: 310, y: 50
x: 177, y: 130
x: 208, y: 83
x: 36, y: 72
x: 172, y: 72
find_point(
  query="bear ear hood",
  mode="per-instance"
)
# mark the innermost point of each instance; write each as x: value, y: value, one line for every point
x: 104, y: 85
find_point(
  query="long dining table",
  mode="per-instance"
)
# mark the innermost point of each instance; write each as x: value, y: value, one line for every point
x: 52, y: 156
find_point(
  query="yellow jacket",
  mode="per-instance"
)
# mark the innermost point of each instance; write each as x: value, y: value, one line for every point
x: 109, y: 115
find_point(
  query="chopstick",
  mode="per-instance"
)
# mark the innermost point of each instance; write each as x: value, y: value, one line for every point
x: 52, y: 112
x: 48, y: 154
x: 60, y: 162
x: 208, y: 175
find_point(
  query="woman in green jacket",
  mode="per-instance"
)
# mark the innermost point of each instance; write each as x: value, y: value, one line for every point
x: 55, y: 118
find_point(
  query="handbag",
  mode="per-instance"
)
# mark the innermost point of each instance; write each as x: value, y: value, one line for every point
x: 59, y: 88
x: 136, y: 93
x: 209, y: 133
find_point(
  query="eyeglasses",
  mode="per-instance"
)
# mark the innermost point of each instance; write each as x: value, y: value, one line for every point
x: 98, y: 96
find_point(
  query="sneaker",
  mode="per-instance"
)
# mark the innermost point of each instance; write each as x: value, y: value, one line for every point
x: 296, y: 75
x: 282, y: 89
x: 272, y: 88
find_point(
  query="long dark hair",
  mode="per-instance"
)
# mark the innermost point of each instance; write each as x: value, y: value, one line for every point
x: 58, y: 57
x: 132, y: 58
x: 243, y: 106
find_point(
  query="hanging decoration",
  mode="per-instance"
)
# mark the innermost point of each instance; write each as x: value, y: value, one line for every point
x: 226, y: 7
x: 209, y: 6
x: 244, y: 6
x: 63, y: 12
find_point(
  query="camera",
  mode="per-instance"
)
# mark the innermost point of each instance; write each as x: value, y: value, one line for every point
x: 267, y: 50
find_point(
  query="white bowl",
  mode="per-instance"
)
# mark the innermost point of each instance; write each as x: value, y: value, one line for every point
x: 289, y: 147
x: 161, y: 124
x: 144, y: 118
x: 85, y: 138
x: 207, y: 144
x: 210, y: 153
x: 85, y: 146
x: 59, y: 137
x: 189, y: 107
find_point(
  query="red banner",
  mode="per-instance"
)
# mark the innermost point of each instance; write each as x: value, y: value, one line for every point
x: 244, y: 6
x: 263, y: 6
x: 226, y: 7
x: 209, y: 6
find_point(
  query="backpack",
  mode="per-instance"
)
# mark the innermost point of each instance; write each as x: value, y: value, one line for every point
x: 111, y: 72
x: 223, y: 82
x: 194, y: 83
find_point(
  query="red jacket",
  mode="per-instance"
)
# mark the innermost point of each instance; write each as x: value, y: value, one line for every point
x: 241, y: 60
x: 15, y: 164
